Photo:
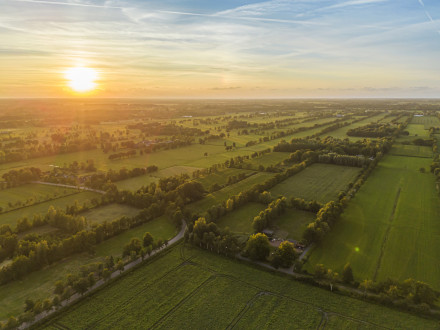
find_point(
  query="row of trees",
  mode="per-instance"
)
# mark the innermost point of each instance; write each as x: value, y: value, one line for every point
x: 266, y: 217
x: 367, y: 147
x: 121, y: 155
x: 344, y: 160
x: 374, y: 130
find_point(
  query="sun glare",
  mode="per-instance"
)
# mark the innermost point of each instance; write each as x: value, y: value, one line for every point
x: 81, y: 79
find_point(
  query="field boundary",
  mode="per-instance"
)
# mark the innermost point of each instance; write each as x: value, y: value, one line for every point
x: 385, y: 239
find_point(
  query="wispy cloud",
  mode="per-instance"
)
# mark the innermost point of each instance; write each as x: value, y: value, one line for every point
x: 58, y: 3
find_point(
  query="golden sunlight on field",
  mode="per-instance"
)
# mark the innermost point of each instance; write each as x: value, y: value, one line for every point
x: 81, y: 79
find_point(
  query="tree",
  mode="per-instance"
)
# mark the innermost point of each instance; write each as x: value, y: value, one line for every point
x: 347, y: 274
x: 59, y: 287
x: 148, y: 239
x: 120, y: 266
x: 258, y: 247
x: 29, y: 305
x: 320, y: 271
x: 287, y: 254
x: 366, y: 285
x: 106, y: 274
x: 81, y: 285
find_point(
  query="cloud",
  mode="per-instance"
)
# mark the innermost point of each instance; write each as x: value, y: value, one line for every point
x: 58, y: 3
x: 225, y: 88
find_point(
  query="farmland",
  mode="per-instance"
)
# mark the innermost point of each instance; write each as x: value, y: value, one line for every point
x: 31, y: 193
x: 292, y: 224
x: 372, y: 238
x: 234, y: 189
x: 216, y: 162
x: 108, y: 213
x: 320, y: 182
x: 41, y: 283
x: 10, y: 218
x: 240, y: 221
x: 165, y: 292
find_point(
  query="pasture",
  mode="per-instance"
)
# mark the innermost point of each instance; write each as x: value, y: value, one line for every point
x: 292, y: 224
x: 220, y: 177
x: 320, y: 182
x: 109, y: 213
x: 240, y: 220
x: 186, y: 287
x: 390, y: 228
x: 41, y: 283
x: 411, y: 150
x: 31, y: 193
x: 426, y: 121
x: 10, y: 218
x: 341, y: 133
x: 223, y: 195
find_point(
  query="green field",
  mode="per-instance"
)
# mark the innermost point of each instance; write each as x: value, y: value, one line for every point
x: 411, y: 151
x: 109, y: 213
x: 31, y: 192
x: 136, y: 183
x: 292, y: 224
x: 426, y: 121
x: 266, y: 160
x: 40, y: 284
x: 341, y: 133
x: 240, y: 220
x: 320, y: 182
x: 417, y: 130
x: 10, y: 218
x: 191, y: 288
x: 220, y: 177
x: 390, y: 228
x: 223, y: 194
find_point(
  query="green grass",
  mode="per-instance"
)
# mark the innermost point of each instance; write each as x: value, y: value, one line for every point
x: 10, y: 218
x: 320, y: 182
x: 426, y: 121
x: 40, y: 284
x: 33, y: 191
x: 136, y: 183
x: 240, y: 220
x: 341, y: 133
x: 292, y: 224
x: 266, y: 160
x: 220, y: 177
x: 411, y: 247
x: 212, y: 292
x: 109, y: 213
x: 417, y: 130
x: 411, y: 150
x: 223, y: 194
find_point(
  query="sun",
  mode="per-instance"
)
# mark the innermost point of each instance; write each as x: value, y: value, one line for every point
x: 81, y: 79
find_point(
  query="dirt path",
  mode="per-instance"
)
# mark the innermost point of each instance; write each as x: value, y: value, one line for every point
x: 69, y: 186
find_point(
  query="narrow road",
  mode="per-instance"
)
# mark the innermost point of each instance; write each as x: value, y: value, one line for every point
x: 69, y: 186
x: 75, y: 297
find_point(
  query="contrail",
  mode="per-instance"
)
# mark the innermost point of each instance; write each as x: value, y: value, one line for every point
x: 240, y: 17
x: 66, y: 4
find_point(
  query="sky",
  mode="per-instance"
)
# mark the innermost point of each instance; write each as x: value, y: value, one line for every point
x: 222, y: 49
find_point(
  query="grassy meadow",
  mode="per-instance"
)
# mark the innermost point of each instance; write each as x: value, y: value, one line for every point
x: 33, y: 193
x: 320, y: 182
x: 240, y: 220
x: 189, y: 287
x: 109, y: 213
x: 390, y: 228
x: 223, y: 195
x: 10, y: 218
x: 292, y: 224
